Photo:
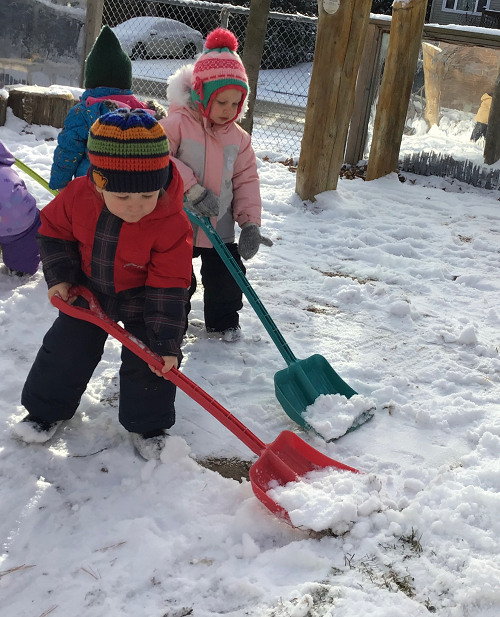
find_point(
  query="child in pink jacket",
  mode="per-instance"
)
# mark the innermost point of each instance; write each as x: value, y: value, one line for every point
x: 217, y: 163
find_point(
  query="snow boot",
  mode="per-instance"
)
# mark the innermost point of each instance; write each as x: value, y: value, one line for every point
x: 230, y: 335
x: 35, y: 430
x: 11, y: 272
x: 150, y: 445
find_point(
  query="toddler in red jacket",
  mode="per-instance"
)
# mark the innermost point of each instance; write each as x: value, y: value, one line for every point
x: 120, y: 231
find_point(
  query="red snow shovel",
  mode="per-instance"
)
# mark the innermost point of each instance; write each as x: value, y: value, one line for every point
x: 284, y: 460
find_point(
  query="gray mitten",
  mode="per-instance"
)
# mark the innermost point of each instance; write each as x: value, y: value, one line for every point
x: 250, y: 240
x: 202, y: 201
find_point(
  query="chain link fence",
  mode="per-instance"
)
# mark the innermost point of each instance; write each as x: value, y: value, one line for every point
x: 162, y: 35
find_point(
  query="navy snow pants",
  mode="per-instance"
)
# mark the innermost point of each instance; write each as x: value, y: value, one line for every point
x: 70, y: 352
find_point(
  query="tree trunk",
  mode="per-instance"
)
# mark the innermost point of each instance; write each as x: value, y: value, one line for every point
x: 252, y: 53
x: 433, y: 79
x: 395, y: 90
x: 36, y: 105
x: 492, y: 144
x: 337, y: 56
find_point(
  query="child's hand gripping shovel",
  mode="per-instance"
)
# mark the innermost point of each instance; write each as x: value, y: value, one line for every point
x: 299, y: 385
x: 284, y: 460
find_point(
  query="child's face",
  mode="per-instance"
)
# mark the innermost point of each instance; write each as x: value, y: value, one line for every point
x: 225, y: 105
x: 130, y: 207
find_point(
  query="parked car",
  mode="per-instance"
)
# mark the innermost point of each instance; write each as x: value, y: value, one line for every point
x: 158, y: 37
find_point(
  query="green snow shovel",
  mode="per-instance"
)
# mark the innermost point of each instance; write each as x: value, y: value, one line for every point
x: 299, y: 385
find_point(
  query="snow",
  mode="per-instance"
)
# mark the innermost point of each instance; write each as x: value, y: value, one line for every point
x: 332, y: 415
x: 397, y: 285
x: 70, y: 10
x: 3, y: 94
x: 331, y: 499
x: 75, y: 92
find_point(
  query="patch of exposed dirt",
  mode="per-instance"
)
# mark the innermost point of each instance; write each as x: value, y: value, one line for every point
x: 234, y: 468
x: 334, y: 273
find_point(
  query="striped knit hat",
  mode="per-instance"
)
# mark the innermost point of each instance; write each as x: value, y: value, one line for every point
x: 218, y: 68
x: 128, y: 152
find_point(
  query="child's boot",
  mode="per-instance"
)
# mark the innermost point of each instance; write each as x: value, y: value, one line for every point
x: 150, y: 445
x: 231, y: 335
x: 35, y: 430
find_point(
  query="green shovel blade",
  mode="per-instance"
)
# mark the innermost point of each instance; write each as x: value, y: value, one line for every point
x: 299, y: 385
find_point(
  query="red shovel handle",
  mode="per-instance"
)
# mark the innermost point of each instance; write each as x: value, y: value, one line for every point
x: 98, y: 317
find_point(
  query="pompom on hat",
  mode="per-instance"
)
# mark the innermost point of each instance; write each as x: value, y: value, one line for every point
x: 128, y: 152
x: 218, y: 68
x: 107, y: 64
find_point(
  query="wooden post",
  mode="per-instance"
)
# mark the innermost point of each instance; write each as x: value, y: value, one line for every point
x: 252, y: 53
x: 368, y: 78
x: 395, y: 90
x: 492, y: 144
x: 339, y: 46
x: 93, y: 24
x: 3, y: 109
x: 433, y: 79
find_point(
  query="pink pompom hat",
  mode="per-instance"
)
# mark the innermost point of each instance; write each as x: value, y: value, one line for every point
x: 218, y: 68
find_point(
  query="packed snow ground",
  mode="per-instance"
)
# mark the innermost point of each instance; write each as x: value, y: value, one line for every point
x: 397, y: 286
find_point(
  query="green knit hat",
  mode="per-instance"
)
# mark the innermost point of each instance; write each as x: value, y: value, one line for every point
x: 107, y: 64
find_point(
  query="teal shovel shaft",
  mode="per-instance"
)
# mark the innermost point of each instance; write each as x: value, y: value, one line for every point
x: 244, y: 285
x: 299, y: 385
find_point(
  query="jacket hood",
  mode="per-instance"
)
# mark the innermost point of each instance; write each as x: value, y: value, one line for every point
x: 179, y: 91
x: 6, y: 156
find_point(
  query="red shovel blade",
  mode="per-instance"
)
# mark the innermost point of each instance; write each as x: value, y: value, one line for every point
x: 284, y: 460
x: 287, y: 459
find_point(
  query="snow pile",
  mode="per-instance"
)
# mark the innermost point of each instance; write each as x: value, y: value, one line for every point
x: 4, y: 94
x: 329, y: 499
x: 75, y: 92
x: 332, y: 415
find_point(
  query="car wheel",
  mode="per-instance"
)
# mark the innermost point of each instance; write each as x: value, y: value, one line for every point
x: 189, y: 51
x: 139, y: 52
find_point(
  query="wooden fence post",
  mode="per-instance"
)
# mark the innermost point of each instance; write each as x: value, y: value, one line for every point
x: 252, y: 53
x: 433, y: 79
x: 395, y: 90
x: 92, y: 27
x: 492, y: 143
x: 339, y: 46
x: 368, y: 78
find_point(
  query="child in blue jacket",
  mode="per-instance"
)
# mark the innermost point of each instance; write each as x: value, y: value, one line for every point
x: 108, y: 79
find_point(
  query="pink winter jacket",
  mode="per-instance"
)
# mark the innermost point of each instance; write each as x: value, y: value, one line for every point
x: 219, y: 157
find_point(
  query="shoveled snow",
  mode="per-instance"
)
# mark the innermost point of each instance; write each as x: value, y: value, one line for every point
x: 332, y: 415
x: 330, y: 499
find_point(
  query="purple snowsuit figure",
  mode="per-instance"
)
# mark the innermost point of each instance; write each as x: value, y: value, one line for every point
x: 19, y: 220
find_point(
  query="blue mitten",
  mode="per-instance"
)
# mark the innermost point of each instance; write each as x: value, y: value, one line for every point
x: 250, y: 240
x: 202, y: 201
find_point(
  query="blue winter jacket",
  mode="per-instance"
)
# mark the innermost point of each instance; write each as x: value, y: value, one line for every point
x: 70, y: 157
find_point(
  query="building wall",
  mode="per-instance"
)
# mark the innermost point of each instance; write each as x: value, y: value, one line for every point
x: 438, y: 16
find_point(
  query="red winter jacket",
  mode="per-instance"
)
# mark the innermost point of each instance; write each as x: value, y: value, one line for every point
x: 155, y: 251
x: 151, y: 270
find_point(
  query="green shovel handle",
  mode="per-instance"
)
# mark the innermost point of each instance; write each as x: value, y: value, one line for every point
x: 35, y: 176
x: 244, y: 285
